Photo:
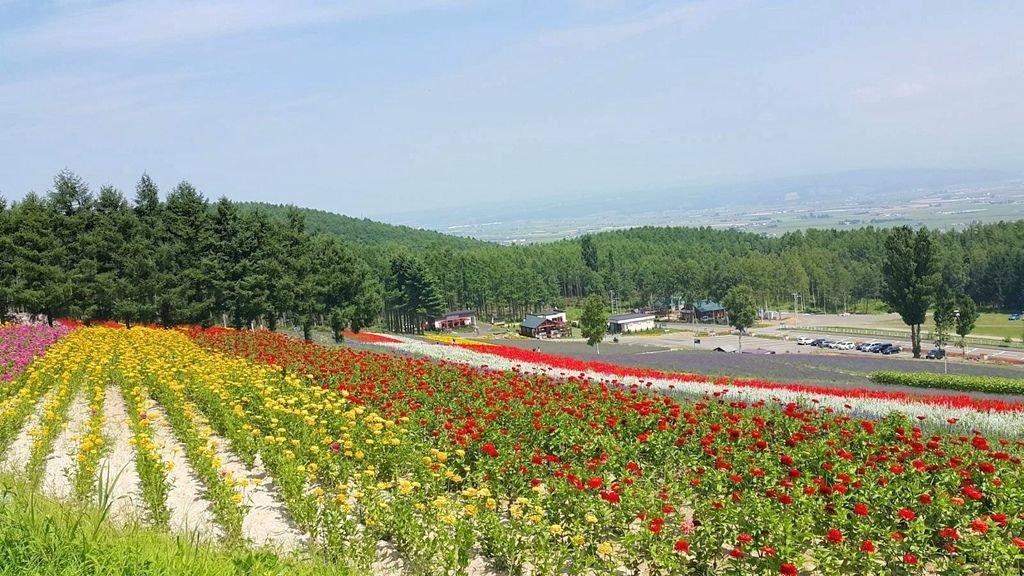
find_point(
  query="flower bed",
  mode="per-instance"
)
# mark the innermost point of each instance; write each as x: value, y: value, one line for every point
x: 19, y: 345
x: 570, y: 473
x: 995, y: 416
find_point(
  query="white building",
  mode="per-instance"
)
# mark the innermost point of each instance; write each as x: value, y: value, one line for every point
x: 627, y: 323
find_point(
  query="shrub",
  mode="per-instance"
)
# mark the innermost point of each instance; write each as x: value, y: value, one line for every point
x: 996, y: 384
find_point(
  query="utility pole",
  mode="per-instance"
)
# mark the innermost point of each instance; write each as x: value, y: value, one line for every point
x: 612, y: 295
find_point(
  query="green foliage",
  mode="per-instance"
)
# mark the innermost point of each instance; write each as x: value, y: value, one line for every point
x: 594, y: 320
x: 363, y: 231
x: 965, y: 383
x: 177, y: 262
x: 41, y: 537
x: 944, y: 316
x: 910, y: 278
x: 741, y: 307
x: 185, y: 260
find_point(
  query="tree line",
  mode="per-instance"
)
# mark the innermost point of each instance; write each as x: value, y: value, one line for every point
x: 831, y: 271
x: 177, y: 260
x: 183, y: 259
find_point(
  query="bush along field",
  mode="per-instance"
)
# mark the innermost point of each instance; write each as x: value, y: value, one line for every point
x: 962, y: 382
x: 257, y: 440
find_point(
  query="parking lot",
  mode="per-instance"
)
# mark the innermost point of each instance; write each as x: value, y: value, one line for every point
x: 776, y: 338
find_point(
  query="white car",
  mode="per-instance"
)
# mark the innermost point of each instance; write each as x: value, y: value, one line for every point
x: 845, y: 345
x: 804, y: 340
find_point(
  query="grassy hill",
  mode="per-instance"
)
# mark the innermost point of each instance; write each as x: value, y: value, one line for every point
x: 367, y: 232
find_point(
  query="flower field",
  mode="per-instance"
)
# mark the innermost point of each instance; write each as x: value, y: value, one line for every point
x: 19, y: 345
x: 545, y: 469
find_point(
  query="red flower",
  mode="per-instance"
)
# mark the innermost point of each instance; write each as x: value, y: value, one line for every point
x: 611, y: 497
x: 595, y: 482
x: 972, y: 493
x: 980, y: 526
x: 489, y: 449
x: 786, y: 460
x: 835, y: 536
x: 682, y: 546
x: 907, y: 514
x: 1018, y: 542
x: 910, y: 559
x: 925, y: 498
x: 867, y: 547
x: 768, y: 551
x: 950, y: 533
x: 788, y: 569
x: 861, y: 509
x: 737, y: 552
x: 745, y: 538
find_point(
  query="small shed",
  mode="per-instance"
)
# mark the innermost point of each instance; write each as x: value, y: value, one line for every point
x: 706, y: 312
x: 545, y: 326
x: 455, y: 320
x: 627, y: 323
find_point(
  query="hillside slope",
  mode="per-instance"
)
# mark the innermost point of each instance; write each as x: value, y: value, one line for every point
x: 367, y: 232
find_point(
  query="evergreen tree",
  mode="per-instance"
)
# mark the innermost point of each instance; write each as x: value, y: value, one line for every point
x: 910, y: 278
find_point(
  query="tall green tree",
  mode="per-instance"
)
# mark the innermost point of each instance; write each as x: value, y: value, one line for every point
x: 910, y: 278
x: 966, y: 315
x: 588, y: 251
x: 944, y: 316
x: 741, y: 306
x: 594, y: 320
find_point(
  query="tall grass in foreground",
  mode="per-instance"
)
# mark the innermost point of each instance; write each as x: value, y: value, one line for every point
x: 41, y: 537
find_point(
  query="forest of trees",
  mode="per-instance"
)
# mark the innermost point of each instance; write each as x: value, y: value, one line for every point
x: 182, y: 259
x: 833, y: 271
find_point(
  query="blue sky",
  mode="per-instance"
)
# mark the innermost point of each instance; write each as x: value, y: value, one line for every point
x: 371, y: 107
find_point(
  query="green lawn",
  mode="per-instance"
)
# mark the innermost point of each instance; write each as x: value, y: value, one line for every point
x: 989, y: 324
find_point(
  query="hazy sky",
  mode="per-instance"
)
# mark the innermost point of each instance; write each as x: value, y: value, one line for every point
x: 377, y: 106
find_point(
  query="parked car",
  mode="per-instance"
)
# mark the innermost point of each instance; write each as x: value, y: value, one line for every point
x: 891, y: 349
x: 818, y: 342
x: 804, y: 340
x: 1016, y: 316
x: 863, y: 346
x: 935, y: 354
x: 879, y: 346
x: 845, y: 345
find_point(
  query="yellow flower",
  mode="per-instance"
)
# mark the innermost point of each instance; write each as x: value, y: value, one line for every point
x: 605, y: 550
x: 555, y: 529
x: 590, y: 519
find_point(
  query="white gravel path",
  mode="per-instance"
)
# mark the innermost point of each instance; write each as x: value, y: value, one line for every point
x: 59, y: 471
x: 388, y: 560
x: 116, y: 469
x: 267, y: 522
x: 191, y: 512
x: 20, y: 450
